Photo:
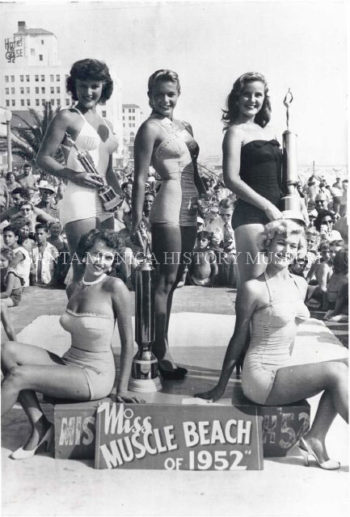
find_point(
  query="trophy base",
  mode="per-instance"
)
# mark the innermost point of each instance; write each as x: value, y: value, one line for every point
x: 145, y: 385
x: 291, y: 208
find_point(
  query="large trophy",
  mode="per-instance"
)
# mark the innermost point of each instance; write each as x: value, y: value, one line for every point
x: 144, y: 373
x: 110, y: 200
x: 291, y: 201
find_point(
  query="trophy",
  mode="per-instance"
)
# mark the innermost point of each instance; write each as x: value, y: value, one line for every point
x: 110, y: 200
x: 291, y: 201
x: 144, y: 372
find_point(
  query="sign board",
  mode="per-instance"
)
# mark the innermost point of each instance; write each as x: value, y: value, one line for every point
x: 14, y: 48
x: 155, y: 436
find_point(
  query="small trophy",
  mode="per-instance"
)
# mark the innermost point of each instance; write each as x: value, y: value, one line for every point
x: 290, y: 202
x: 110, y: 200
x: 144, y: 372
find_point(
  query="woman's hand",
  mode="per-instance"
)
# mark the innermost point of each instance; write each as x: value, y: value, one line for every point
x: 214, y: 394
x: 124, y: 396
x: 83, y: 179
x: 272, y: 212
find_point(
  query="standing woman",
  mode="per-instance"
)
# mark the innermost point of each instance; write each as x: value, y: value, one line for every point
x: 252, y: 166
x: 168, y: 145
x: 81, y: 209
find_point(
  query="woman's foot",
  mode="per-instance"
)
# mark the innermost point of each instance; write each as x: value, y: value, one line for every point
x: 38, y: 432
x: 169, y: 370
x: 315, y: 448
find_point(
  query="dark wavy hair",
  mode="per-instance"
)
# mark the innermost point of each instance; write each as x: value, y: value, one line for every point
x: 321, y: 215
x: 87, y: 241
x: 92, y: 70
x: 163, y: 75
x: 231, y: 113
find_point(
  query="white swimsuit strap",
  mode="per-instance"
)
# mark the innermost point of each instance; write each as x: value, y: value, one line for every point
x: 267, y: 285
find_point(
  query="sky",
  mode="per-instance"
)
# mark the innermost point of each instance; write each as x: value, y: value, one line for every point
x: 300, y: 45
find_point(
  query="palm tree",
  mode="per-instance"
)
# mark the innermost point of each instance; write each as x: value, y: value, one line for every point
x: 27, y: 138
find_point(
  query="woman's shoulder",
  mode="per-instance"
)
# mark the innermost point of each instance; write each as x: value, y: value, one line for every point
x: 150, y: 128
x: 114, y: 285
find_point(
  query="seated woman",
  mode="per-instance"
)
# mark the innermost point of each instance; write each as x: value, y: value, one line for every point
x: 273, y: 305
x: 86, y: 371
x: 337, y: 289
x: 203, y: 268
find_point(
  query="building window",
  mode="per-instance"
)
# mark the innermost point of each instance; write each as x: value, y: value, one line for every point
x: 58, y: 89
x: 43, y: 78
x: 52, y: 102
x: 43, y: 89
x: 6, y: 78
x: 12, y: 90
x: 28, y: 102
x: 21, y: 78
x: 123, y: 124
x: 7, y: 102
x: 21, y: 90
x: 36, y: 78
x: 7, y: 91
x: 67, y: 102
x: 52, y: 89
x: 58, y: 102
x: 12, y: 78
x: 37, y: 102
x: 27, y: 78
x: 58, y: 78
x: 28, y: 89
x: 40, y: 57
x: 43, y: 101
x: 52, y: 77
x: 22, y: 102
x: 36, y: 89
x: 42, y: 42
x: 13, y: 102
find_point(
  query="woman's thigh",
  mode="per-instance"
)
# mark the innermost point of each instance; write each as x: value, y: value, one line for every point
x: 250, y: 261
x: 298, y: 382
x: 15, y: 353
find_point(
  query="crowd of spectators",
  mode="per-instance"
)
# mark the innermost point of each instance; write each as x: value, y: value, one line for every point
x: 34, y: 249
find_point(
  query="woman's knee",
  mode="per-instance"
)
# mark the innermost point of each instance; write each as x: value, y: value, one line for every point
x: 166, y: 282
x: 9, y: 352
x: 16, y: 376
x: 337, y: 371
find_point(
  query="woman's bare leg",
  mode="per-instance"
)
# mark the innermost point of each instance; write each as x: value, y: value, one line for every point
x: 7, y: 324
x: 302, y: 381
x: 250, y: 261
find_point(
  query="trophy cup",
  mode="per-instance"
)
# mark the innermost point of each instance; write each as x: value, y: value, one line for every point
x: 144, y: 372
x: 291, y: 201
x: 110, y: 200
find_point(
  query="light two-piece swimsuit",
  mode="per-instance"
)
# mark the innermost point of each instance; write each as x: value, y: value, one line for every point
x: 272, y: 338
x: 82, y: 202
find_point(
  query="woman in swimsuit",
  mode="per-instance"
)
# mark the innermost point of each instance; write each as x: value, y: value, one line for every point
x: 252, y: 161
x: 86, y: 371
x: 81, y: 209
x: 169, y: 146
x: 274, y: 305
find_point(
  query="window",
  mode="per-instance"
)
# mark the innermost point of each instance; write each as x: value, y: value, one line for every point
x: 43, y: 78
x: 7, y: 91
x: 37, y: 102
x: 58, y: 78
x: 40, y: 57
x: 42, y: 42
x: 52, y: 102
x: 28, y: 102
x: 13, y: 102
x: 6, y: 78
x: 22, y: 102
x: 12, y: 90
x: 21, y: 78
x: 27, y: 78
x: 67, y: 102
x: 12, y: 78
x: 123, y: 124
x: 58, y: 102
x: 7, y: 102
x: 36, y: 89
x: 58, y: 89
x: 52, y: 89
x: 28, y: 89
x: 36, y: 78
x: 52, y: 77
x: 43, y: 102
x: 21, y: 90
x: 43, y: 89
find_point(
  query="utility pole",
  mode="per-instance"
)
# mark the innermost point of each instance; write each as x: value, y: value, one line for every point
x: 5, y: 118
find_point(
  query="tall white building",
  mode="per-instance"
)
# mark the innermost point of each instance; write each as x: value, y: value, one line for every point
x: 132, y: 118
x: 34, y: 75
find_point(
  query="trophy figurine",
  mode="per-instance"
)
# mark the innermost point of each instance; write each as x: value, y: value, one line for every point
x: 110, y: 200
x: 291, y: 201
x: 144, y: 372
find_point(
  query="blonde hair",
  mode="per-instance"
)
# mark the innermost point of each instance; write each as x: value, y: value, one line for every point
x: 284, y: 228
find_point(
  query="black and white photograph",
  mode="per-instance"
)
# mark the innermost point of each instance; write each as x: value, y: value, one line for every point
x: 174, y: 258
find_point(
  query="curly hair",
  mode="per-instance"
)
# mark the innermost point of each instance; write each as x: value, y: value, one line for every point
x: 284, y: 228
x: 88, y: 240
x: 321, y: 215
x: 231, y: 113
x: 91, y: 70
x: 163, y: 75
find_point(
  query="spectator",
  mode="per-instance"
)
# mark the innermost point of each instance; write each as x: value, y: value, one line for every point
x: 337, y: 193
x: 18, y: 195
x: 4, y: 194
x: 321, y: 202
x: 344, y: 199
x: 63, y: 260
x: 337, y: 288
x: 317, y: 295
x: 203, y: 268
x: 324, y: 224
x: 27, y: 180
x: 33, y: 215
x: 11, y: 283
x: 20, y: 262
x: 11, y: 181
x: 44, y: 257
x: 47, y: 200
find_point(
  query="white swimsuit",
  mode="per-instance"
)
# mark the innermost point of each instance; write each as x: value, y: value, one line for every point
x: 81, y: 202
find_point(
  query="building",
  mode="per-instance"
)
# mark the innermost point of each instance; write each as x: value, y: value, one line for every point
x: 132, y: 118
x: 34, y: 75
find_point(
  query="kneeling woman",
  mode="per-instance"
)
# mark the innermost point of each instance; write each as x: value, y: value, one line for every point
x: 86, y: 371
x: 274, y: 304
